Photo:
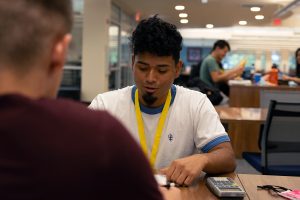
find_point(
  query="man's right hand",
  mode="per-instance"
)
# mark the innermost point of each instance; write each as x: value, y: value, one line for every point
x: 240, y: 70
x: 173, y: 193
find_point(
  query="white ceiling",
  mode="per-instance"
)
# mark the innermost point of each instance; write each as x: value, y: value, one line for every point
x: 221, y: 13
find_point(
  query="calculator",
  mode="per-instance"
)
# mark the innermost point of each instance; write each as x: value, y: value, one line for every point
x: 224, y: 187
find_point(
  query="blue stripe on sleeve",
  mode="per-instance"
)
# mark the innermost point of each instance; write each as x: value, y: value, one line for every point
x: 215, y: 142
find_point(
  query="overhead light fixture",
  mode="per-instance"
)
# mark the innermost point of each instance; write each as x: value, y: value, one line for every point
x: 259, y: 17
x: 184, y: 21
x: 209, y: 25
x: 242, y: 23
x: 255, y: 9
x: 183, y: 15
x: 179, y: 7
x: 204, y: 1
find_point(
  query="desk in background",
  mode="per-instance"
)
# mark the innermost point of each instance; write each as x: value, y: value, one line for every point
x: 243, y: 127
x: 249, y: 96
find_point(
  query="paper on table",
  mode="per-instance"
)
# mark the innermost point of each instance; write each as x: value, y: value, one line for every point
x: 291, y: 194
x: 161, y: 179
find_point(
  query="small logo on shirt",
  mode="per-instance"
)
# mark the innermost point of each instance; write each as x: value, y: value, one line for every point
x: 170, y: 137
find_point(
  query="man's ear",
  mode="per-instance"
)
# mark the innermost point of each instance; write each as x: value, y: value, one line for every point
x: 59, y: 52
x: 178, y: 68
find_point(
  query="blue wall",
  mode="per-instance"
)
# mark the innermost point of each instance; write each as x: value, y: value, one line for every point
x: 183, y: 55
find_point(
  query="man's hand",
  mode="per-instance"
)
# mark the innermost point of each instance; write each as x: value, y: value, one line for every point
x: 219, y: 159
x: 173, y: 193
x: 183, y: 171
x: 240, y: 70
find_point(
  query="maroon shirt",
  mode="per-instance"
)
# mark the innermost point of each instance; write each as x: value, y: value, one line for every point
x: 58, y: 149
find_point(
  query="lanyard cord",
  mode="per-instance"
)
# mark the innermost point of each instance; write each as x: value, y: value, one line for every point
x: 159, y: 128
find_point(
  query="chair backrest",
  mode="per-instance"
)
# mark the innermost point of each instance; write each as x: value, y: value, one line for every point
x: 281, y: 135
x: 195, y: 72
x: 278, y: 95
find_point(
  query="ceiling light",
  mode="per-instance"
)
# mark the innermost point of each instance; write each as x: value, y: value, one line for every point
x: 242, y: 23
x: 259, y: 17
x: 183, y: 15
x: 204, y: 1
x: 209, y: 25
x: 184, y: 21
x: 179, y: 7
x: 255, y: 9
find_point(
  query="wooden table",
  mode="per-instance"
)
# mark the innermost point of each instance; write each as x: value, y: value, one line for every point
x: 250, y: 183
x: 233, y: 114
x: 243, y: 127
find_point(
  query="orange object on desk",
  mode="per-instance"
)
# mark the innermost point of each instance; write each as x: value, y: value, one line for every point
x: 273, y: 76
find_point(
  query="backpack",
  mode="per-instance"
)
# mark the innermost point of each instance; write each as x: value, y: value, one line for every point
x: 213, y: 94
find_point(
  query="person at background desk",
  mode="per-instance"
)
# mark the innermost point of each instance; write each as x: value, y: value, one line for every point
x: 57, y: 149
x: 297, y: 77
x: 177, y: 128
x: 211, y: 71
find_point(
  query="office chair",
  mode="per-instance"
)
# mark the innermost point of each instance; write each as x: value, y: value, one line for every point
x: 267, y: 95
x: 280, y: 141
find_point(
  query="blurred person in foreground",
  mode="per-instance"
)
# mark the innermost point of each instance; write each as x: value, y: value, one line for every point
x: 57, y: 149
x: 177, y: 128
x: 211, y: 71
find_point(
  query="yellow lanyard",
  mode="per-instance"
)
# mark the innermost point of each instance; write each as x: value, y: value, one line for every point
x: 159, y: 128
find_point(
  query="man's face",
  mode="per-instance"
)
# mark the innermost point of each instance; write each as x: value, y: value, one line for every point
x: 221, y: 53
x: 154, y: 75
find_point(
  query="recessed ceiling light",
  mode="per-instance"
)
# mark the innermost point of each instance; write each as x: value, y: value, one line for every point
x: 204, y: 1
x: 179, y: 7
x: 259, y: 17
x: 242, y: 23
x: 209, y: 25
x: 184, y: 21
x: 255, y: 9
x: 183, y: 15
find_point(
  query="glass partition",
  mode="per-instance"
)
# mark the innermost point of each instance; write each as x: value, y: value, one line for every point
x: 70, y: 85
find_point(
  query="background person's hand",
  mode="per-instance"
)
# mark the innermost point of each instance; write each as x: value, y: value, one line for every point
x: 236, y: 73
x: 183, y: 171
x: 286, y: 78
x: 240, y: 70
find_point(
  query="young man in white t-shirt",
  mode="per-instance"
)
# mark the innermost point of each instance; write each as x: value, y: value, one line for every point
x: 178, y: 129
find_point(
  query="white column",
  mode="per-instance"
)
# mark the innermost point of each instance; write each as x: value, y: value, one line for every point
x: 94, y: 75
x: 257, y: 63
x: 268, y: 60
x: 284, y: 64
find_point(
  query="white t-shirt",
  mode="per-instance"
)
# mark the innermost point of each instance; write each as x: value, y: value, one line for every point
x: 192, y: 124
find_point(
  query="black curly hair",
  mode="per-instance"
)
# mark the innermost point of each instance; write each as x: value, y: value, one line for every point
x: 221, y: 44
x: 155, y: 36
